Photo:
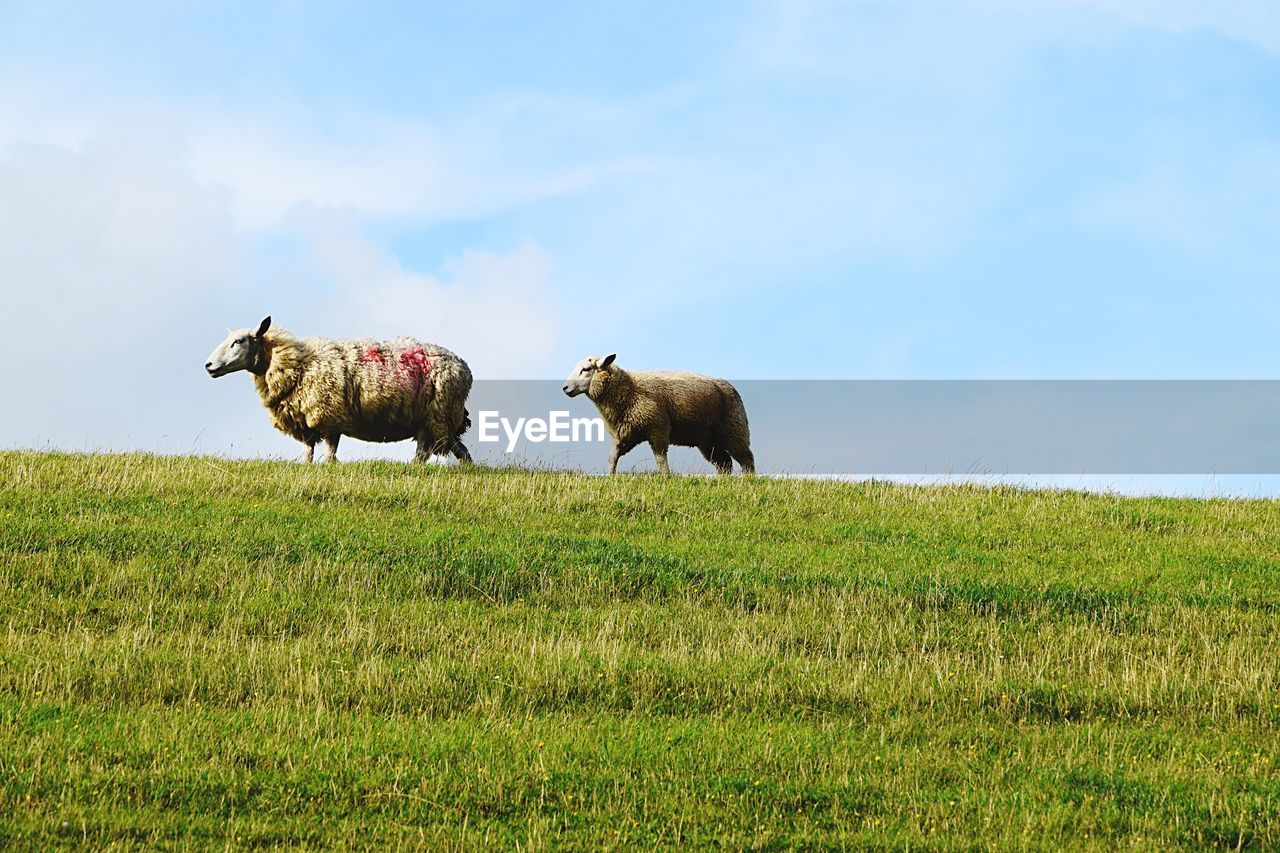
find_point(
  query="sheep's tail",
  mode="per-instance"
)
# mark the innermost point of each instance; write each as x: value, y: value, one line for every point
x: 466, y: 422
x: 736, y: 417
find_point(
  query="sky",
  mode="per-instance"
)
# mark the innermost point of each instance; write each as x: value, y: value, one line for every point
x: 760, y: 190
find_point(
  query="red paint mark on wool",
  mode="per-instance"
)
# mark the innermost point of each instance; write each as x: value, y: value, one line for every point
x: 371, y: 354
x: 416, y: 363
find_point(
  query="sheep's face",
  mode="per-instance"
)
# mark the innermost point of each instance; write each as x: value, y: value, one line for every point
x: 590, y: 369
x: 242, y: 350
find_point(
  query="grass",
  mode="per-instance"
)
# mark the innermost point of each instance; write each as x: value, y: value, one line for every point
x: 197, y: 652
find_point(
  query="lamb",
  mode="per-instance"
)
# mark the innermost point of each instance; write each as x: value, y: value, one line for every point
x: 319, y: 388
x: 665, y: 408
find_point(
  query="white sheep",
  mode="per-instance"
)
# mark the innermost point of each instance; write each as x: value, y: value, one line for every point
x: 665, y: 408
x: 322, y: 389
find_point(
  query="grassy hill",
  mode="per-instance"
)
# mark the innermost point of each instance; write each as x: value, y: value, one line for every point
x: 202, y: 651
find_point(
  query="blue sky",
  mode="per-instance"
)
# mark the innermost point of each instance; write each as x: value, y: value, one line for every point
x: 987, y: 189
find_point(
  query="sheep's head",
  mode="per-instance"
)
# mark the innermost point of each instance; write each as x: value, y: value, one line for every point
x: 591, y: 370
x: 243, y: 349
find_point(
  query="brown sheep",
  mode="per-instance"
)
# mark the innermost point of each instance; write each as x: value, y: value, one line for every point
x: 665, y: 408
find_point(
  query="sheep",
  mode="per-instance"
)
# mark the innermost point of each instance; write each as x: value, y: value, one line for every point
x: 664, y: 408
x: 318, y: 388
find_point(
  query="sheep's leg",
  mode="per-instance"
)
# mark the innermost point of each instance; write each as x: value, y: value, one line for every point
x: 659, y: 438
x: 459, y: 450
x: 461, y: 420
x: 746, y: 459
x: 620, y: 448
x: 660, y: 455
x: 720, y: 458
x: 331, y: 447
x: 309, y: 455
x: 445, y: 438
x: 425, y: 445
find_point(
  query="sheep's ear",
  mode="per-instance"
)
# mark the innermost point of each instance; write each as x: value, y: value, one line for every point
x: 608, y: 359
x: 262, y: 328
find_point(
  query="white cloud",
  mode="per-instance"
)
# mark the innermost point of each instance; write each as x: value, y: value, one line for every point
x: 384, y: 169
x: 270, y: 157
x: 495, y: 309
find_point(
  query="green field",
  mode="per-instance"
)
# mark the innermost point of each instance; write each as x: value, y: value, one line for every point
x: 197, y: 652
